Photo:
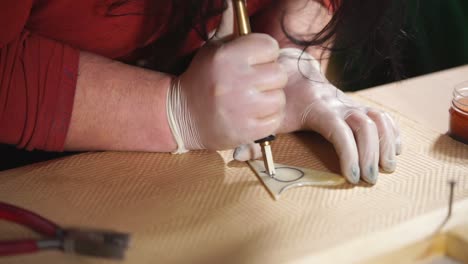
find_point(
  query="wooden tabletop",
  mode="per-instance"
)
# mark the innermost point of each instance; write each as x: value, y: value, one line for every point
x: 425, y: 99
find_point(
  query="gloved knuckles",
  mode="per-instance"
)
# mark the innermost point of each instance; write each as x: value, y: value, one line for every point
x: 235, y: 92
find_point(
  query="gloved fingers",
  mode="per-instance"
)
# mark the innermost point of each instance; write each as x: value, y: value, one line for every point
x: 255, y: 48
x: 386, y: 139
x: 269, y: 76
x: 367, y: 139
x: 264, y: 127
x: 248, y: 152
x: 396, y: 132
x: 269, y: 103
x: 336, y: 131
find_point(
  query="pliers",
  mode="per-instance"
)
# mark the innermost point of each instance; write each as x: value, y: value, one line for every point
x: 89, y: 242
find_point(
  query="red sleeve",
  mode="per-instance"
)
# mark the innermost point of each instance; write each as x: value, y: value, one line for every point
x: 37, y: 83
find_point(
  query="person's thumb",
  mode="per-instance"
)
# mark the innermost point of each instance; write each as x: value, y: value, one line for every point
x: 248, y: 152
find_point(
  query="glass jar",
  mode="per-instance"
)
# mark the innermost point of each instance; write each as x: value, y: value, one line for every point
x: 458, y: 127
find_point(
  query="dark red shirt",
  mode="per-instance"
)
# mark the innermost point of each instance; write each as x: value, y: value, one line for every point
x: 40, y: 42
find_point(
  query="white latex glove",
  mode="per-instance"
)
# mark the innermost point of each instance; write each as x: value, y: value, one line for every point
x: 231, y: 94
x: 363, y: 137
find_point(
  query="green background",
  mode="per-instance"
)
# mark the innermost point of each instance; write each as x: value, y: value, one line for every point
x: 438, y: 39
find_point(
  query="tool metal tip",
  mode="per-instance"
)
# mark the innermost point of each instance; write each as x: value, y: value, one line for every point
x: 268, y: 159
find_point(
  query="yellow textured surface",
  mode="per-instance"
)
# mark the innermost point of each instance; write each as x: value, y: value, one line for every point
x: 203, y: 207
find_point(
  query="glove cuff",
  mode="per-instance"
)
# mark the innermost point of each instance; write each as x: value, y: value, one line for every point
x: 180, y: 119
x: 173, y: 111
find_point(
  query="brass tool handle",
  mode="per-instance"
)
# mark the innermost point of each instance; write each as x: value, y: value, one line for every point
x: 243, y: 22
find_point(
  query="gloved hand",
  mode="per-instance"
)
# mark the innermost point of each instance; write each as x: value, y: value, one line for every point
x: 230, y: 95
x: 363, y: 137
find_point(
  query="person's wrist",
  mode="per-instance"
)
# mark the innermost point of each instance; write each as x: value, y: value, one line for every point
x: 298, y: 63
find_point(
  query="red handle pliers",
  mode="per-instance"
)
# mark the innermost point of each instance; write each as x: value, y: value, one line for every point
x: 98, y: 243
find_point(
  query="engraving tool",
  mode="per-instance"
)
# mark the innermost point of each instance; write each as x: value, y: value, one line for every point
x: 243, y: 25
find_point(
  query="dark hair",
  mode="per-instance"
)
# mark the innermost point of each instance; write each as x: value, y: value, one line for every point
x: 362, y: 28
